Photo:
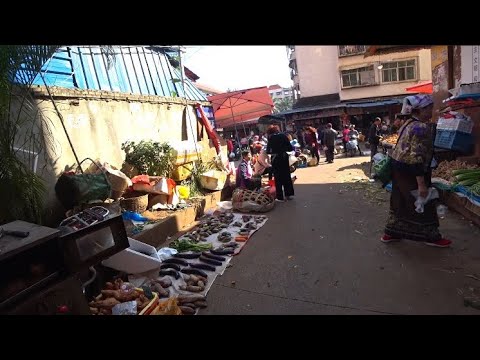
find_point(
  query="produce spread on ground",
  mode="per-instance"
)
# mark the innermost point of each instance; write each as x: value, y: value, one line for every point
x: 181, y: 283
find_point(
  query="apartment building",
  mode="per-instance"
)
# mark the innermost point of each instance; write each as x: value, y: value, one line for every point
x: 341, y: 85
x: 279, y: 93
x: 384, y: 75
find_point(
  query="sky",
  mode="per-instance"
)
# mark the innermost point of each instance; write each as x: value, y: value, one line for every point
x: 239, y: 67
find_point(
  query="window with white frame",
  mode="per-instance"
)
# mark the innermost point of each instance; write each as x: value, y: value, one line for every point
x: 399, y: 71
x: 358, y: 77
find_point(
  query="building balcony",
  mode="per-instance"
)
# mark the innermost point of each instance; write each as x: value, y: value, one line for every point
x: 292, y: 56
x: 292, y: 63
x: 350, y: 50
x: 296, y: 80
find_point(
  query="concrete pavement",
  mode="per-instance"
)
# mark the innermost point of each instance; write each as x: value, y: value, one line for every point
x: 321, y: 254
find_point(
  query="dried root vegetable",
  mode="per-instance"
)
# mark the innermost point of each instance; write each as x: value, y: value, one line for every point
x: 120, y: 295
x: 108, y: 303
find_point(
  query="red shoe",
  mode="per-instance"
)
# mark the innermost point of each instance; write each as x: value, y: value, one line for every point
x: 442, y: 243
x: 387, y: 238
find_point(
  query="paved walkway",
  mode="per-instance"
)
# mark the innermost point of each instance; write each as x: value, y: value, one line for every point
x: 321, y: 254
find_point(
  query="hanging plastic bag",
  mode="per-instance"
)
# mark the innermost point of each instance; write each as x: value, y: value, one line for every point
x: 421, y: 201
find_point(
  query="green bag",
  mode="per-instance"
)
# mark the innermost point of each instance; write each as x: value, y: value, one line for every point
x: 74, y: 189
x: 383, y: 171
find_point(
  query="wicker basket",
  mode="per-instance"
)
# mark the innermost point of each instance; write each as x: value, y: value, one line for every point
x: 136, y: 203
x: 251, y: 201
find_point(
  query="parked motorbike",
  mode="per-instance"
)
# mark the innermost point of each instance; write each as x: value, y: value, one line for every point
x: 292, y: 161
x: 352, y: 146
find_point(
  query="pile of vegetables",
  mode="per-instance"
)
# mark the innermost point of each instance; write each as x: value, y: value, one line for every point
x: 116, y: 293
x: 469, y: 178
x: 446, y: 169
x: 187, y: 245
x: 390, y: 139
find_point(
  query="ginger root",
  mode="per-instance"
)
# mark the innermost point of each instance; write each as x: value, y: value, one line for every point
x: 120, y: 295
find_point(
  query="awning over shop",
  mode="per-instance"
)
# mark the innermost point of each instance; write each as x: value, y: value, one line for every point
x: 237, y: 107
x: 374, y: 103
x: 425, y: 88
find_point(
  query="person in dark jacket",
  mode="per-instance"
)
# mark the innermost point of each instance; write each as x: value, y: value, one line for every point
x: 374, y: 136
x: 311, y: 142
x: 244, y: 178
x: 329, y: 138
x: 277, y: 146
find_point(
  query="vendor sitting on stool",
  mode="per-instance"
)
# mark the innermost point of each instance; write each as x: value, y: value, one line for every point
x: 244, y: 178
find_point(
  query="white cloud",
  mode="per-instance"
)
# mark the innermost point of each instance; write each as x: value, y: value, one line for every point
x: 239, y: 67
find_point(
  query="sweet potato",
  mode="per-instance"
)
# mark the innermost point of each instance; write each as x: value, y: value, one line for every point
x: 192, y: 288
x: 159, y: 289
x: 121, y: 295
x: 164, y: 282
x: 190, y: 298
x: 105, y: 312
x: 94, y: 311
x: 189, y: 305
x: 105, y: 304
x: 200, y: 303
x: 187, y: 310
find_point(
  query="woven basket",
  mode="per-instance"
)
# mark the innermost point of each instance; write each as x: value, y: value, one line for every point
x: 136, y: 204
x: 251, y: 201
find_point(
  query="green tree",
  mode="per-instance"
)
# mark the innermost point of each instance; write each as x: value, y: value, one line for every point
x: 281, y: 105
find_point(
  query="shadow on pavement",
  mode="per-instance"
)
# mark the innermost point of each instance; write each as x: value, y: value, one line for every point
x: 321, y: 254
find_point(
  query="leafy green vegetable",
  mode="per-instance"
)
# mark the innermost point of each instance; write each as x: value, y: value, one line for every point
x: 183, y: 245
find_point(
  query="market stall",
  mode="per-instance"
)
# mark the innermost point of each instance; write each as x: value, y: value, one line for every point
x: 459, y: 180
x: 182, y: 272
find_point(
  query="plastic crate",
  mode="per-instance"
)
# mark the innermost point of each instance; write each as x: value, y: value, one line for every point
x: 454, y: 124
x: 453, y: 140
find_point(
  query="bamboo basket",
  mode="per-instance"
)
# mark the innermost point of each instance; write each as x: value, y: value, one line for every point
x: 133, y: 203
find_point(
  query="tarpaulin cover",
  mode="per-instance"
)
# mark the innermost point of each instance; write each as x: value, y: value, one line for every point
x: 425, y: 88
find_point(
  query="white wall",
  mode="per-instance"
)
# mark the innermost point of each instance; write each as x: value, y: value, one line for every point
x: 470, y: 57
x: 317, y: 70
x: 99, y: 122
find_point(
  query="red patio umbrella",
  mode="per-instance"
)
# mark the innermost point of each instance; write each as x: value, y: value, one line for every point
x: 241, y: 106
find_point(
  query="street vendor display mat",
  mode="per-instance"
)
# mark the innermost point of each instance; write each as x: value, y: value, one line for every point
x: 175, y: 289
